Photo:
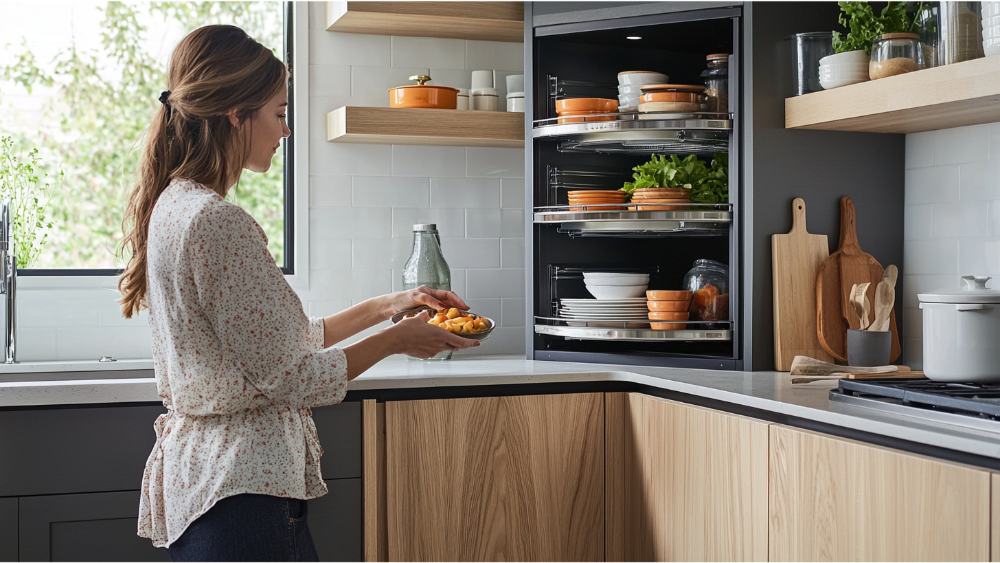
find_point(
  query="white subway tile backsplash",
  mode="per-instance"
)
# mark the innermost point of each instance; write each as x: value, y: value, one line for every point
x: 455, y: 78
x: 329, y: 80
x: 91, y: 344
x: 482, y: 223
x: 489, y: 308
x: 343, y: 158
x: 58, y: 313
x: 512, y: 253
x: 979, y: 256
x: 962, y: 144
x: 496, y: 283
x: 512, y: 223
x: 512, y: 193
x: 329, y: 191
x: 381, y: 191
x: 465, y: 192
x: 920, y: 149
x: 994, y: 141
x: 495, y: 162
x: 472, y: 252
x: 36, y: 344
x: 329, y: 254
x: 513, y: 312
x: 109, y: 313
x: 503, y: 340
x: 327, y: 308
x: 381, y: 253
x: 918, y: 222
x: 368, y: 81
x: 459, y: 282
x: 428, y: 51
x: 350, y: 222
x: 429, y: 161
x: 489, y: 55
x: 961, y: 219
x: 335, y: 48
x: 980, y: 180
x: 450, y: 222
x: 931, y: 256
x: 930, y: 185
x: 366, y: 284
x: 916, y: 284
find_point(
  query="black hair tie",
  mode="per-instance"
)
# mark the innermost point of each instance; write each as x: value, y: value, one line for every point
x: 165, y: 97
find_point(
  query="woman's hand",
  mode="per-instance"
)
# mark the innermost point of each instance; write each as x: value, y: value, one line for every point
x: 410, y: 299
x: 414, y: 337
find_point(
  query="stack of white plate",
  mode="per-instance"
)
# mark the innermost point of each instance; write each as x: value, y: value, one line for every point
x: 991, y: 28
x: 843, y: 69
x: 592, y: 312
x: 628, y: 87
x: 610, y: 285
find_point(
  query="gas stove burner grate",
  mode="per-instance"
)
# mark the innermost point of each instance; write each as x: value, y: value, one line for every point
x: 972, y: 399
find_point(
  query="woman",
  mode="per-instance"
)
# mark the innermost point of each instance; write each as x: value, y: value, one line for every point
x: 237, y: 362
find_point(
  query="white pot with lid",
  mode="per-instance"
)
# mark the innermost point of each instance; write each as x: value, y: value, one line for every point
x: 962, y: 332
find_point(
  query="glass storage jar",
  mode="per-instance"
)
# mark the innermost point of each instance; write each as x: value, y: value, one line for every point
x: 427, y: 266
x: 709, y: 280
x: 960, y: 32
x: 895, y: 53
x: 717, y: 83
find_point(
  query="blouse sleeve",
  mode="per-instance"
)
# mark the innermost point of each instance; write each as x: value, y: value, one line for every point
x: 257, y: 316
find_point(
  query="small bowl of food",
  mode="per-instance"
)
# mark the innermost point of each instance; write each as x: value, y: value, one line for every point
x: 463, y: 323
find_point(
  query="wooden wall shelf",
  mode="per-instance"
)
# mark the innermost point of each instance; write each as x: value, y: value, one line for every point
x: 483, y: 21
x: 955, y: 95
x: 399, y: 126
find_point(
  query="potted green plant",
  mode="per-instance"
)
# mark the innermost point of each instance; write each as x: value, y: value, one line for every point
x: 708, y: 183
x: 852, y: 51
x: 23, y: 185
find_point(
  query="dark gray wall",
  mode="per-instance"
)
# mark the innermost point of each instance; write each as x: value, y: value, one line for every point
x: 819, y: 166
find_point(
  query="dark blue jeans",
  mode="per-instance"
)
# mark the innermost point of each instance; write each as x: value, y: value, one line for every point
x: 248, y: 528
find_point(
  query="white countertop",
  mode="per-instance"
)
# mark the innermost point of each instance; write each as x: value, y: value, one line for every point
x: 768, y: 391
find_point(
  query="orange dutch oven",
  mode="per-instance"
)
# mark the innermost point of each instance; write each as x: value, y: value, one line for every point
x: 422, y: 95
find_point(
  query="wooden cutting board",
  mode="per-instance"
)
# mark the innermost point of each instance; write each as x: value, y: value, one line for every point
x: 844, y: 268
x: 795, y: 261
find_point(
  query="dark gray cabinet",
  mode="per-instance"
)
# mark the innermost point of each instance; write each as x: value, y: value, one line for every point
x: 84, y: 527
x: 8, y: 529
x: 335, y: 521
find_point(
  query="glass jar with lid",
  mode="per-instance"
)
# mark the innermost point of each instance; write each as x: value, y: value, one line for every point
x: 895, y: 53
x: 717, y: 83
x: 709, y: 280
x: 427, y: 266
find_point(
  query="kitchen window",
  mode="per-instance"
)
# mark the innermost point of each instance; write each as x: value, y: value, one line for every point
x: 80, y: 80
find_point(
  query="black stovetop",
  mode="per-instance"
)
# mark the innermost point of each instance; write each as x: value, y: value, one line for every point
x: 973, y: 399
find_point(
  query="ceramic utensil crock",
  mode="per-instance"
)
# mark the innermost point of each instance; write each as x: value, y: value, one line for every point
x: 962, y: 332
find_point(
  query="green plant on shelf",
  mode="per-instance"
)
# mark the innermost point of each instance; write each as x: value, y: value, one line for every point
x: 709, y: 183
x: 864, y: 26
x: 24, y: 186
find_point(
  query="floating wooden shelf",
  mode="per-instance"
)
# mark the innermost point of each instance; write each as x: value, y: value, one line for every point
x: 399, y: 126
x: 966, y: 93
x: 484, y: 21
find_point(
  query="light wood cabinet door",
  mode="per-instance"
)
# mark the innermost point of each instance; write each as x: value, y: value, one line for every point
x: 995, y: 518
x: 496, y: 478
x: 833, y: 499
x: 684, y: 483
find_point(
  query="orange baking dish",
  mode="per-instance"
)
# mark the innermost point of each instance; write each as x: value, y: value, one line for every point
x: 422, y: 95
x: 590, y: 105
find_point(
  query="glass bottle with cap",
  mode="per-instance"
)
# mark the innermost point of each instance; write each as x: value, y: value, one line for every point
x: 427, y: 266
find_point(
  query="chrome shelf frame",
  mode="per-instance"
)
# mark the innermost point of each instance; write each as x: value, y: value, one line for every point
x: 609, y: 219
x: 634, y: 334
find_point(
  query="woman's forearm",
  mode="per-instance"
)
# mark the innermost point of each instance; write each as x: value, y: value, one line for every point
x: 369, y: 351
x: 353, y: 320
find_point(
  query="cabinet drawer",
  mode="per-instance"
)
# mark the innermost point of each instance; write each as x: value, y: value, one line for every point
x: 88, y: 527
x: 75, y: 450
x: 8, y: 529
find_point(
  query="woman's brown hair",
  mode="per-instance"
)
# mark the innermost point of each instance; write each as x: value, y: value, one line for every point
x: 213, y: 70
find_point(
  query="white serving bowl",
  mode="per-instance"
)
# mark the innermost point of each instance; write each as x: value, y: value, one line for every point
x: 617, y: 291
x: 630, y: 89
x: 844, y: 75
x: 639, y: 77
x: 844, y: 68
x: 856, y: 57
x: 611, y: 278
x: 629, y: 101
x: 838, y: 82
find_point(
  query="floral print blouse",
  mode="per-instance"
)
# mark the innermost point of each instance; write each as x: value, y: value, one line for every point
x: 237, y: 362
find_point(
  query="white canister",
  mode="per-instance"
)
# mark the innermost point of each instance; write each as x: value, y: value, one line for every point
x: 463, y: 98
x: 515, y: 102
x: 962, y: 333
x: 484, y: 99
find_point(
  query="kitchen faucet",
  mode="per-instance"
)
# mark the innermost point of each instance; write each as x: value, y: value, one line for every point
x: 8, y: 282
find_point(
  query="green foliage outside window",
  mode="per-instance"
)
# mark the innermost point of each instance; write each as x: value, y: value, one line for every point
x: 92, y: 127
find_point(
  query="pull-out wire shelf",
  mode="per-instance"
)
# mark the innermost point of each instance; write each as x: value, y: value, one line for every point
x: 638, y: 219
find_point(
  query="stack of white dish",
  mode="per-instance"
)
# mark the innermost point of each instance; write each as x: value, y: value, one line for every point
x: 628, y: 87
x: 843, y: 69
x: 603, y: 313
x: 991, y: 28
x: 609, y: 285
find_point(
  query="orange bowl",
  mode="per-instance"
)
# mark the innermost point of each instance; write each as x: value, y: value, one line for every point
x: 662, y: 295
x: 675, y: 193
x: 668, y: 306
x: 596, y: 105
x: 667, y: 326
x: 423, y: 96
x: 671, y: 97
x: 580, y: 119
x: 668, y: 316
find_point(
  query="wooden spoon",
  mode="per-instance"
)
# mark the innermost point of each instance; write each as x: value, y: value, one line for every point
x: 888, y: 278
x: 884, y: 295
x: 858, y: 302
